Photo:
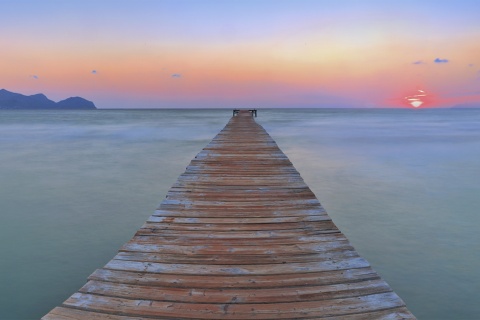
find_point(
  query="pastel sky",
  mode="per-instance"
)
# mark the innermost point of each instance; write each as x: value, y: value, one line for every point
x: 243, y: 53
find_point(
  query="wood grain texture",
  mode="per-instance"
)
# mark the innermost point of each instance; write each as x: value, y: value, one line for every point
x: 239, y: 236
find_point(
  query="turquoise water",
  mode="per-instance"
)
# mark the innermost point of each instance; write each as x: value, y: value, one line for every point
x: 403, y: 185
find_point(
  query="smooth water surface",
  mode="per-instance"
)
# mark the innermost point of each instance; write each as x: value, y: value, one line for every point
x: 403, y: 185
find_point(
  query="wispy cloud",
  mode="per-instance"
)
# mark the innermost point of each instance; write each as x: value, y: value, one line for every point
x: 94, y: 72
x: 176, y: 75
x: 34, y: 76
x: 470, y: 64
x: 419, y: 62
x: 438, y: 60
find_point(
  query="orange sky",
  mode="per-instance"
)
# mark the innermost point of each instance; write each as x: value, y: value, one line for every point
x: 272, y: 54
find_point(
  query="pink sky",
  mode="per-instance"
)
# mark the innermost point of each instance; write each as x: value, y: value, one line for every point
x: 168, y: 54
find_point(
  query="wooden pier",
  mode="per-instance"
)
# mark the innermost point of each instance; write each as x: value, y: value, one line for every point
x: 239, y: 236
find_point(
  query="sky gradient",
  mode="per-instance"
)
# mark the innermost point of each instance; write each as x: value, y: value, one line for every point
x: 241, y: 53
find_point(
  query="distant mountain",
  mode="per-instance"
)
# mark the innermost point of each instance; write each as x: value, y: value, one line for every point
x: 466, y: 105
x: 17, y: 101
x: 75, y: 103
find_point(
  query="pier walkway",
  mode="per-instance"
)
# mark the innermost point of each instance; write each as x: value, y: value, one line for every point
x: 239, y: 236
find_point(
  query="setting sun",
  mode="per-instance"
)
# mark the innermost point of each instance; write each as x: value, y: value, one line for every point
x: 418, y: 99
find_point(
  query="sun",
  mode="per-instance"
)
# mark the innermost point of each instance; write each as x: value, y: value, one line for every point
x: 416, y: 100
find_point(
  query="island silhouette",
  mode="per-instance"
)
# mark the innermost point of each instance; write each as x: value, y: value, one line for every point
x: 16, y: 101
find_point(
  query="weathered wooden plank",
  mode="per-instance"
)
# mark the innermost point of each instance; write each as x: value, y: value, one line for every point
x: 218, y: 179
x: 63, y: 313
x: 240, y: 296
x: 232, y: 259
x: 277, y: 193
x: 238, y: 212
x: 194, y: 239
x: 249, y: 269
x: 229, y: 234
x: 156, y: 219
x: 232, y: 310
x: 245, y: 204
x: 238, y: 281
x: 249, y: 196
x: 150, y: 244
x: 400, y: 313
x: 317, y: 225
x: 232, y: 185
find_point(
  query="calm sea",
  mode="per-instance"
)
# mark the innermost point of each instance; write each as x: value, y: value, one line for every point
x: 403, y: 185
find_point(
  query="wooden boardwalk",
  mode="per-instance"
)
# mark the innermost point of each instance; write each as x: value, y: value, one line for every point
x: 239, y: 236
